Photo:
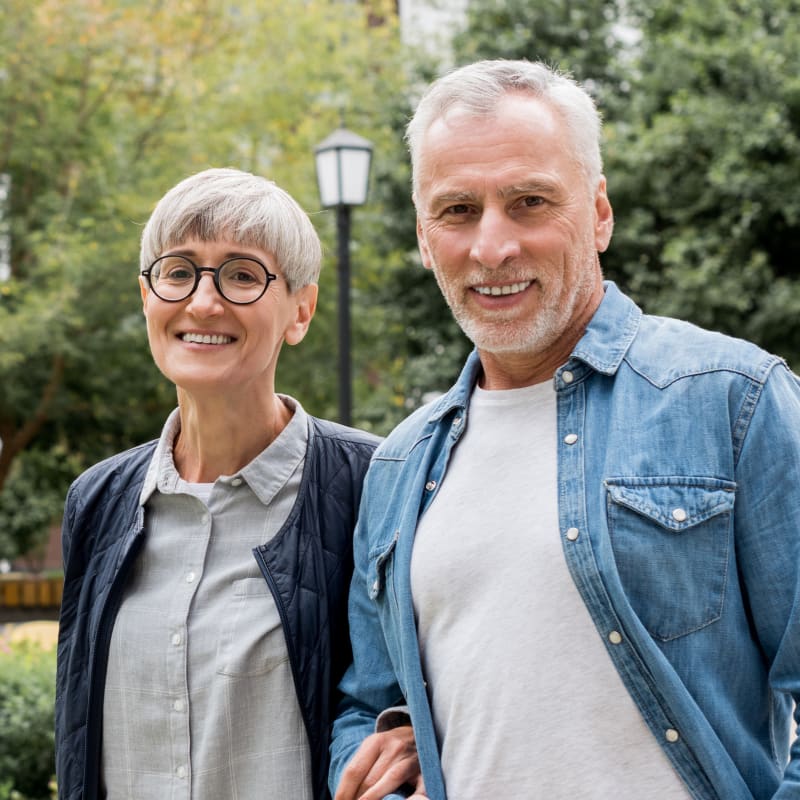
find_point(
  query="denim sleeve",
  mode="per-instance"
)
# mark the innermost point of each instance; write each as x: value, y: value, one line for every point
x: 767, y: 520
x: 369, y: 686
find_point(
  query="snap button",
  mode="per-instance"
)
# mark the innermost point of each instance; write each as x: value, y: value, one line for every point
x: 572, y: 534
x: 671, y: 735
x: 679, y: 515
x: 571, y: 438
x: 430, y: 486
x: 567, y: 376
x: 615, y: 637
x: 456, y: 422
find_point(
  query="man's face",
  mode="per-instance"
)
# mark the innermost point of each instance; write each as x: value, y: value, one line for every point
x: 508, y: 224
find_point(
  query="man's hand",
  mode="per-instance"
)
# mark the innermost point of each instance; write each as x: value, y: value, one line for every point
x: 384, y: 762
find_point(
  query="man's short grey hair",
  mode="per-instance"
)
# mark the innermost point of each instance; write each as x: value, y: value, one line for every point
x: 227, y: 204
x: 478, y: 88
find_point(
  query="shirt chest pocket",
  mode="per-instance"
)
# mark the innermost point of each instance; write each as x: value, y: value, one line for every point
x: 671, y: 540
x: 251, y: 640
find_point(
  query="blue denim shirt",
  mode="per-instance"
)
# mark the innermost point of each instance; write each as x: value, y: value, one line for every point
x: 679, y: 513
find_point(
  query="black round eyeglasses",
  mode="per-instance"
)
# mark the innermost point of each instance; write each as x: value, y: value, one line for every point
x: 239, y: 280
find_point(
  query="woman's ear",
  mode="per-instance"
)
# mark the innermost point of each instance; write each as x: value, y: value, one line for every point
x: 306, y: 304
x: 143, y: 288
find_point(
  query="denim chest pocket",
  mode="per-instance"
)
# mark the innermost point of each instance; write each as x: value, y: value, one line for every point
x: 671, y: 539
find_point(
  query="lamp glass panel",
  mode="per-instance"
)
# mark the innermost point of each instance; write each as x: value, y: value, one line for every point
x: 328, y: 177
x: 355, y: 176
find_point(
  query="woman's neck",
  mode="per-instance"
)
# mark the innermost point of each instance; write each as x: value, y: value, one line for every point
x: 218, y: 437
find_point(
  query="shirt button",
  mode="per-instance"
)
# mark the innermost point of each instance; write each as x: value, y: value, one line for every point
x: 204, y: 519
x: 615, y: 637
x: 236, y: 482
x: 671, y: 735
x: 181, y: 772
x: 430, y: 486
x: 178, y: 705
x: 176, y: 639
x: 679, y: 515
x: 567, y: 376
x: 571, y: 438
x: 190, y: 576
x: 572, y: 534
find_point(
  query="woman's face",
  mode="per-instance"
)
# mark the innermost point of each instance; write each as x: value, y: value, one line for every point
x: 206, y: 344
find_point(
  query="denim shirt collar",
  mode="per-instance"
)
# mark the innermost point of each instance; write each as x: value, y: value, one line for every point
x: 602, y: 347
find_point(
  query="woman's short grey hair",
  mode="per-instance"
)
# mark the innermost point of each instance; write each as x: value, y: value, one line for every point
x: 478, y: 88
x: 220, y: 204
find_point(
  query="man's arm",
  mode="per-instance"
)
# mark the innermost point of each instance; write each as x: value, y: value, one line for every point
x: 369, y: 686
x: 767, y: 520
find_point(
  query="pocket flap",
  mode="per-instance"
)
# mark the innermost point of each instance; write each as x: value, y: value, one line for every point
x: 676, y: 504
x: 376, y: 573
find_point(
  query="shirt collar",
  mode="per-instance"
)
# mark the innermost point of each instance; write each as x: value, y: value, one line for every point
x: 266, y: 474
x: 602, y: 347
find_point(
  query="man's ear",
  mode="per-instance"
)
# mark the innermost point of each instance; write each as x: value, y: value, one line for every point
x: 306, y: 304
x: 603, y: 218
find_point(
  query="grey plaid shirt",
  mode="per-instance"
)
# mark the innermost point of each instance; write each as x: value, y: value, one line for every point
x: 199, y: 699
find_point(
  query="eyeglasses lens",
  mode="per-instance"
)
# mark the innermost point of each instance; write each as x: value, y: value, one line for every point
x: 241, y: 280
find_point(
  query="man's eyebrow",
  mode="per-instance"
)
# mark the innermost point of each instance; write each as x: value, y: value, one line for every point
x: 529, y: 187
x: 454, y: 197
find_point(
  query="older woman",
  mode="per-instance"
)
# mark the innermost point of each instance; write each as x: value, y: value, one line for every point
x: 203, y: 626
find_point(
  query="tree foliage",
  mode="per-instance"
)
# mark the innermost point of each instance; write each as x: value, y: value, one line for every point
x: 704, y: 166
x: 106, y: 104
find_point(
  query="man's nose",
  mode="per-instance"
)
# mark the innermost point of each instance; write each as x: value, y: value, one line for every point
x: 495, y: 240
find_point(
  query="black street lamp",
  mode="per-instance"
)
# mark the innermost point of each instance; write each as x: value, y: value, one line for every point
x: 343, y: 162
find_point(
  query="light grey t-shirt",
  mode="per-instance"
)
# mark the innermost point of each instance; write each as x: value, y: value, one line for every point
x: 526, y: 702
x: 199, y: 698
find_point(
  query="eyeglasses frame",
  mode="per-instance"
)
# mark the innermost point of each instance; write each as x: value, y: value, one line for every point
x: 215, y: 271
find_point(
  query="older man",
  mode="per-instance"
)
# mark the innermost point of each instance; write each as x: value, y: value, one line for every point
x: 581, y: 566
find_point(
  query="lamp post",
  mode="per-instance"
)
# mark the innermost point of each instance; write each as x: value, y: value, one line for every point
x: 343, y: 162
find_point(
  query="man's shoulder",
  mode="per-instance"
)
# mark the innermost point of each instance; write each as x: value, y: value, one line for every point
x: 415, y: 427
x: 667, y: 348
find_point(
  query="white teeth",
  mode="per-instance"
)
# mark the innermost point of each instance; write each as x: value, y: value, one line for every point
x: 206, y: 338
x: 496, y: 291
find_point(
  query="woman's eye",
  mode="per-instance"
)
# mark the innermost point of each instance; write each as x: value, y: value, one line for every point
x: 177, y: 274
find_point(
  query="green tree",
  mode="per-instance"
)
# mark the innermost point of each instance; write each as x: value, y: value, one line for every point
x: 704, y: 166
x: 106, y: 104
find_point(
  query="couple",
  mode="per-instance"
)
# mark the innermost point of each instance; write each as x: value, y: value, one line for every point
x: 577, y: 573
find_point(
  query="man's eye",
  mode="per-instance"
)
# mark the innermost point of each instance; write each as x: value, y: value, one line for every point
x: 533, y: 200
x: 459, y: 208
